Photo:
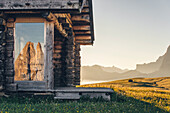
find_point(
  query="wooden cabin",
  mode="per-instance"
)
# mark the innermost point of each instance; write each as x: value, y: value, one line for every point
x: 40, y: 42
x: 40, y: 46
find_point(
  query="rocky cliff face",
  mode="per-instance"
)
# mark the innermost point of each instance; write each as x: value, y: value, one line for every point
x: 39, y: 63
x: 161, y: 66
x: 30, y: 63
x: 165, y: 67
x: 150, y: 67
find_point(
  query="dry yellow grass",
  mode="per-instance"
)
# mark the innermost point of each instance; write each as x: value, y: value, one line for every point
x: 152, y: 90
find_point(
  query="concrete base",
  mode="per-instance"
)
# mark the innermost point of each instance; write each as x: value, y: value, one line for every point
x: 77, y: 93
x: 68, y: 93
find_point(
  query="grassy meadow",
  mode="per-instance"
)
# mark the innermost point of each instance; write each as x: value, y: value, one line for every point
x: 154, y: 91
x: 139, y: 96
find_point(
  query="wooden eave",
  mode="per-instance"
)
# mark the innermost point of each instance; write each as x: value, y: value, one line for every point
x: 62, y: 6
x: 83, y: 24
x: 70, y: 17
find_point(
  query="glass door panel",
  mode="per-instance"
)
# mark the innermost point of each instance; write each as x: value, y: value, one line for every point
x: 29, y: 51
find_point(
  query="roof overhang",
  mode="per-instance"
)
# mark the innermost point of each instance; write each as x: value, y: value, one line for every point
x: 81, y: 12
x: 48, y: 5
x: 83, y: 25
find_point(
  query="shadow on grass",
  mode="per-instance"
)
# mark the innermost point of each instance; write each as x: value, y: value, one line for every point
x: 118, y: 104
x: 141, y: 106
x: 147, y: 84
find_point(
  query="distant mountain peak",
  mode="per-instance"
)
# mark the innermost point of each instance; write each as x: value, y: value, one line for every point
x: 168, y: 50
x: 165, y: 67
x: 112, y: 69
x: 161, y: 64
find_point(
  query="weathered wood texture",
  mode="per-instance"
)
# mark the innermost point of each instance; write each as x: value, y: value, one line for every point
x: 70, y: 62
x: 49, y: 45
x: 66, y: 59
x: 59, y: 56
x: 38, y: 4
x: 9, y: 61
x: 9, y: 57
x: 83, y: 24
x: 77, y: 64
x: 62, y: 49
x: 2, y: 53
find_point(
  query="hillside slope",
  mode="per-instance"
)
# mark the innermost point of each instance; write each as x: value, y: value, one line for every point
x: 155, y: 91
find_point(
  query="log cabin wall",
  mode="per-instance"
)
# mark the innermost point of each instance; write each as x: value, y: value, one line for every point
x: 6, y: 53
x: 66, y: 60
x: 73, y: 27
x: 2, y: 53
x: 77, y: 64
x: 59, y: 60
x: 9, y: 56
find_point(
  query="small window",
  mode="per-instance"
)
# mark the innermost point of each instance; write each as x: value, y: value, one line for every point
x: 29, y: 51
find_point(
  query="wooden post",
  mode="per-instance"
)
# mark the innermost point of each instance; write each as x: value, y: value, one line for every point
x: 2, y: 53
x: 48, y: 56
x: 9, y: 61
x: 59, y: 60
x: 70, y: 62
x: 77, y: 64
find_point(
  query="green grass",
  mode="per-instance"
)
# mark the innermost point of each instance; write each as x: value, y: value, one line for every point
x: 154, y: 91
x: 118, y: 104
x: 128, y: 98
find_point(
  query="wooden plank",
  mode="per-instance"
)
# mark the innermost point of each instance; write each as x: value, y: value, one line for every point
x: 82, y: 32
x: 49, y: 45
x: 85, y: 27
x: 91, y: 19
x: 67, y: 16
x: 49, y: 16
x: 22, y: 12
x: 81, y: 22
x: 38, y: 4
x: 85, y: 18
x: 85, y: 9
x: 84, y: 41
x: 30, y: 20
x: 83, y: 37
x: 82, y: 3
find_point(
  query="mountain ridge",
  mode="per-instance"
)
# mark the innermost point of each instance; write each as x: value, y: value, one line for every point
x: 159, y: 68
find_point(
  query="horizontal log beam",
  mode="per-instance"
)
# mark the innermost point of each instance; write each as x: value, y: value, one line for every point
x: 85, y: 18
x: 82, y: 32
x: 39, y: 4
x: 84, y: 42
x: 85, y: 27
x: 83, y: 37
x: 80, y: 23
x: 57, y: 24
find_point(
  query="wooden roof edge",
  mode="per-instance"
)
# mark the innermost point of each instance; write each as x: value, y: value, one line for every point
x: 91, y: 21
x: 84, y: 42
x: 82, y: 3
x: 50, y: 5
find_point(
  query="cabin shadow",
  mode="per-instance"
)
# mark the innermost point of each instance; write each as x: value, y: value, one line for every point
x: 128, y: 104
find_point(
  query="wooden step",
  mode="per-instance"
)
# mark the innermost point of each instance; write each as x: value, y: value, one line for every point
x: 72, y: 93
x: 67, y: 96
x: 30, y: 84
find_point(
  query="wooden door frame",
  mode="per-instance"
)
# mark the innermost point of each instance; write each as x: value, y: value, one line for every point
x: 48, y: 47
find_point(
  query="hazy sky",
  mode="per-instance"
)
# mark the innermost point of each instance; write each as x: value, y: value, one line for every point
x: 128, y: 32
